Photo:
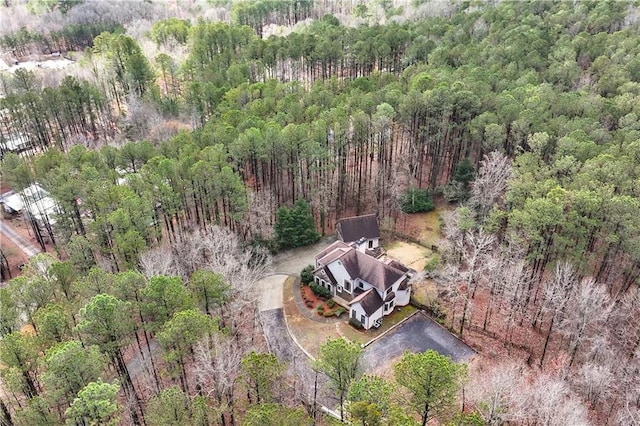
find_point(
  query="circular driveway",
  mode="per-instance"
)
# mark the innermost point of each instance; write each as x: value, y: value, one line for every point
x: 271, y: 292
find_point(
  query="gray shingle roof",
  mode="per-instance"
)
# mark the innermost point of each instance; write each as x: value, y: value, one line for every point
x: 351, y: 229
x: 332, y: 252
x: 369, y: 300
x: 376, y: 273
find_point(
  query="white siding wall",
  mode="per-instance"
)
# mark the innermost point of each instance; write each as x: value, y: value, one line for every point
x: 377, y: 314
x: 368, y: 320
x: 376, y: 242
x: 357, y: 308
x: 339, y: 272
x: 403, y: 297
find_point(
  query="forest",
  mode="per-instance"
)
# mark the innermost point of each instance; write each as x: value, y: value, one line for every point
x: 180, y: 130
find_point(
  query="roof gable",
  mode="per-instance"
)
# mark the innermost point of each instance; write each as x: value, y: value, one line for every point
x: 332, y: 252
x: 369, y: 300
x: 369, y: 269
x: 351, y: 229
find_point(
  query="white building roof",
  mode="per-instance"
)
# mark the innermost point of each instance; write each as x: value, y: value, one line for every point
x: 36, y: 201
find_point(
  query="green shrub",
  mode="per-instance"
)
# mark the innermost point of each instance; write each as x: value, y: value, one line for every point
x: 331, y: 303
x: 355, y: 323
x: 320, y: 309
x: 320, y: 291
x: 433, y: 263
x: 306, y: 275
x: 417, y: 200
x: 339, y: 311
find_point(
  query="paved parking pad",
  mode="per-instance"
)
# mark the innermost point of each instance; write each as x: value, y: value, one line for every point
x: 417, y: 334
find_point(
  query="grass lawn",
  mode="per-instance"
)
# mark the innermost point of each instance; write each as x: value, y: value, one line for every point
x: 363, y: 336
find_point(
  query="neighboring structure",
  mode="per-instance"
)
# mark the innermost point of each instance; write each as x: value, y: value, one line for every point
x: 368, y: 287
x: 15, y: 143
x: 37, y: 208
x: 33, y: 200
x: 362, y: 230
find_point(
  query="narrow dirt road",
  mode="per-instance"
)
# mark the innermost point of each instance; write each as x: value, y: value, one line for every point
x: 24, y: 245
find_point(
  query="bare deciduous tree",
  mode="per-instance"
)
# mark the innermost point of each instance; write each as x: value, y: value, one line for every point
x: 217, y: 366
x: 594, y: 381
x: 549, y: 401
x: 556, y: 293
x: 258, y: 219
x: 157, y: 261
x: 490, y: 183
x: 586, y: 311
x: 493, y: 391
x: 626, y: 317
x: 219, y: 250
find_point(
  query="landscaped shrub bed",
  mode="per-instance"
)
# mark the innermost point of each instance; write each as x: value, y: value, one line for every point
x: 320, y: 290
x: 321, y: 306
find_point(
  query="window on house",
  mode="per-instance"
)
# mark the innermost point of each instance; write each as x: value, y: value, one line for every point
x: 361, y: 285
x: 370, y: 243
x: 362, y: 318
x: 317, y: 280
x: 347, y: 285
x: 354, y: 315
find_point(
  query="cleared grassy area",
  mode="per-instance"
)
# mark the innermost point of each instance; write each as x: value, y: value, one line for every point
x: 409, y: 254
x: 431, y: 229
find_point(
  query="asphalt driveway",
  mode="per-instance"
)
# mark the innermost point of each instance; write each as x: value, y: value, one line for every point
x: 417, y: 334
x: 285, y: 349
x: 292, y: 261
x: 286, y: 263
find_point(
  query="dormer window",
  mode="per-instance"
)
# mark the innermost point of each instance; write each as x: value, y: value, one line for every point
x: 347, y: 285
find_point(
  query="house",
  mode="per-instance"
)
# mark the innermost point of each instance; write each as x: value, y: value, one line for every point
x: 368, y: 287
x: 361, y: 230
